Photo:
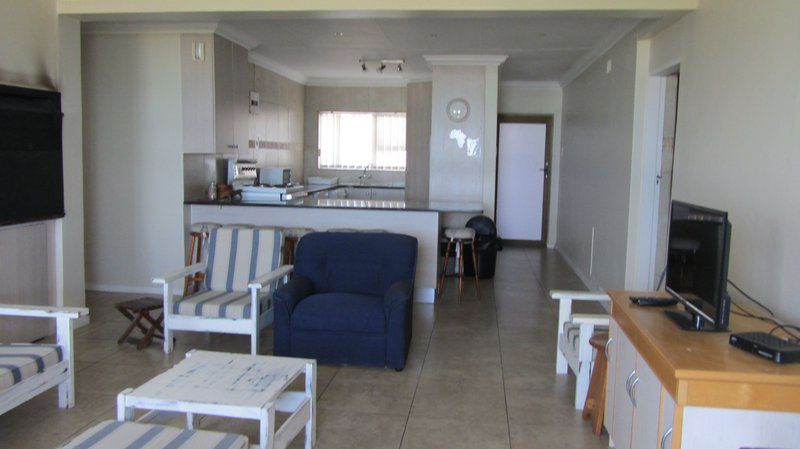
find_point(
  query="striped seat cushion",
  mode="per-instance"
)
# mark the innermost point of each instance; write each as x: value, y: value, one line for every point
x: 219, y: 304
x: 572, y: 331
x: 132, y: 435
x: 237, y: 256
x: 21, y: 361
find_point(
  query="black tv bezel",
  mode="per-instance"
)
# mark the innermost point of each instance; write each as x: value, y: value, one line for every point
x: 721, y: 317
x: 26, y: 99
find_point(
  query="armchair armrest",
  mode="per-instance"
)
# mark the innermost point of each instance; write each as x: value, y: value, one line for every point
x: 270, y: 277
x: 43, y: 311
x: 294, y: 291
x: 398, y: 294
x: 589, y: 318
x: 578, y: 295
x: 179, y: 274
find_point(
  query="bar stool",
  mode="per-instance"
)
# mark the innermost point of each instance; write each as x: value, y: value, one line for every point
x: 291, y: 236
x: 595, y: 404
x: 459, y: 236
x: 198, y: 239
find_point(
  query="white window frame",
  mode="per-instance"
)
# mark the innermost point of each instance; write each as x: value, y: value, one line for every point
x: 373, y: 164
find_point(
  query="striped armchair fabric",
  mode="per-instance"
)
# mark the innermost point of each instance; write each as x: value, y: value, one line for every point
x: 118, y: 434
x: 19, y: 361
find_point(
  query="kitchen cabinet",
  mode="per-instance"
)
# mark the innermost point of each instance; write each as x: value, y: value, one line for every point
x: 215, y: 92
x: 359, y: 193
x: 388, y: 194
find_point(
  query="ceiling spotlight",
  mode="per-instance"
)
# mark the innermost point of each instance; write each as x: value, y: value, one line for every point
x: 338, y: 34
x: 381, y: 68
x: 399, y: 67
x: 363, y: 65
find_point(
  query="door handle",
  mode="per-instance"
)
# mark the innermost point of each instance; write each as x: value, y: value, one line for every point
x: 664, y: 438
x: 628, y: 382
x: 632, y: 391
x: 608, y: 343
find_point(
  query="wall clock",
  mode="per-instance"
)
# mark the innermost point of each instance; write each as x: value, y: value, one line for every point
x: 458, y: 109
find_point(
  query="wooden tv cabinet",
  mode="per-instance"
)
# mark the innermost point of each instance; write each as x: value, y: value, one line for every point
x: 669, y: 388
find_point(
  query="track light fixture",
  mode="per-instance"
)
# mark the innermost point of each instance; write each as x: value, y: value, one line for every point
x: 381, y: 64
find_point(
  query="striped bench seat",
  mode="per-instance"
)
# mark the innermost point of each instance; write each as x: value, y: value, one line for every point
x: 572, y: 331
x: 21, y: 361
x: 219, y: 304
x: 133, y: 435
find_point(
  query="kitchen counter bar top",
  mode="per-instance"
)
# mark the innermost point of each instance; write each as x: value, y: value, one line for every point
x: 351, y: 203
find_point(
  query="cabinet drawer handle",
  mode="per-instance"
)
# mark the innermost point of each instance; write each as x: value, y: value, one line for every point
x: 628, y: 382
x: 632, y: 391
x: 233, y: 147
x: 608, y: 343
x: 664, y: 438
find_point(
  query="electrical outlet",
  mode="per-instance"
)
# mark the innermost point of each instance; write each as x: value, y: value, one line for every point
x: 608, y: 66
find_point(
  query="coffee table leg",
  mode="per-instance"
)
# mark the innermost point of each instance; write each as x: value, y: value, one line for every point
x: 124, y: 413
x: 311, y: 393
x: 267, y: 428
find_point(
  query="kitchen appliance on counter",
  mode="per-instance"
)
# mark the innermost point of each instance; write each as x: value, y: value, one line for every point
x: 241, y: 172
x: 272, y: 193
x: 274, y: 176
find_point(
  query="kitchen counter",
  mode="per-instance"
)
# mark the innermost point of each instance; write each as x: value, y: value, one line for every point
x: 352, y: 203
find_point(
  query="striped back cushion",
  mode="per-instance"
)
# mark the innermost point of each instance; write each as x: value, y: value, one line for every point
x: 237, y: 256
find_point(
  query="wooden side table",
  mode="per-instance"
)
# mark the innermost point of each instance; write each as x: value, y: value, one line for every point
x: 595, y: 404
x: 138, y: 312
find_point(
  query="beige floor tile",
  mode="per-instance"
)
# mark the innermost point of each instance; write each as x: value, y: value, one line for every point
x: 369, y: 396
x: 479, y: 400
x: 445, y: 433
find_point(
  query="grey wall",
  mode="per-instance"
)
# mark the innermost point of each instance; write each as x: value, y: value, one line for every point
x: 737, y: 146
x: 595, y: 171
x: 455, y: 175
x: 418, y: 138
x: 354, y: 99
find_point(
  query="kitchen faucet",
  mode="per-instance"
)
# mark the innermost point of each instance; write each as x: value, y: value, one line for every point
x: 364, y: 175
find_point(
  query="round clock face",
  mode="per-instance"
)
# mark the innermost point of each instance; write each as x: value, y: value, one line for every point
x: 458, y: 109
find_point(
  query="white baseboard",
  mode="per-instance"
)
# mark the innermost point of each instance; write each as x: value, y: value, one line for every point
x: 587, y: 282
x: 124, y: 289
x: 425, y: 295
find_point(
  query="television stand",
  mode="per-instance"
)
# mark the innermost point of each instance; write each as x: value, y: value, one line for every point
x: 689, y: 321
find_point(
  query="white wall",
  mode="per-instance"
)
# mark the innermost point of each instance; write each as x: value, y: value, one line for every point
x: 536, y: 100
x: 738, y: 134
x: 39, y: 50
x: 353, y: 99
x: 132, y: 135
x: 418, y: 140
x: 595, y: 167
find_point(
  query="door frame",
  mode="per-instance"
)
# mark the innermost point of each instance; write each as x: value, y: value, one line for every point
x: 547, y: 120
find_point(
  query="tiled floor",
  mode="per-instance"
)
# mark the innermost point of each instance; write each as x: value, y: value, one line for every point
x: 480, y: 375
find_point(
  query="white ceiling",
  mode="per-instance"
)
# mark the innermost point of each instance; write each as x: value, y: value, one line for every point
x: 542, y: 48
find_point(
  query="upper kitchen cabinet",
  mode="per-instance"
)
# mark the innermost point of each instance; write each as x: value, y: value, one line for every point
x: 215, y: 89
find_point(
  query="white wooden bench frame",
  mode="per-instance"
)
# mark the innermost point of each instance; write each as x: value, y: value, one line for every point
x: 300, y: 405
x: 61, y: 374
x: 579, y: 362
x: 244, y: 326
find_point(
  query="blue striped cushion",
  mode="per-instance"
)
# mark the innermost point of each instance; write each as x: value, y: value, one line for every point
x: 219, y: 304
x: 237, y: 256
x: 21, y: 361
x: 572, y: 331
x: 132, y: 435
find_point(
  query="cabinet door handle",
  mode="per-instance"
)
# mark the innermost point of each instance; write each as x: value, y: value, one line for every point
x: 628, y: 382
x: 664, y: 438
x: 608, y: 343
x: 632, y: 391
x: 233, y: 147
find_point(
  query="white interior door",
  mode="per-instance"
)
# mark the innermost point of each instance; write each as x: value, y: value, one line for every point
x: 521, y: 180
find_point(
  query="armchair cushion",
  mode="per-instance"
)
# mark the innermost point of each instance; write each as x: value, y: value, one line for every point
x: 396, y: 297
x: 340, y: 312
x: 290, y: 294
x: 21, y: 361
x: 218, y: 304
x: 237, y: 256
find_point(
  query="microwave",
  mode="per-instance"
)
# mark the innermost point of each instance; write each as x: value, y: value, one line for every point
x: 274, y: 176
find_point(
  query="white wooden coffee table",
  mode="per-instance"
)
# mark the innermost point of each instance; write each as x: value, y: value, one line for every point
x: 232, y: 385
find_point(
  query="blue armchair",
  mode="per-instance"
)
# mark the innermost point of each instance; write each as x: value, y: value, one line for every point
x: 350, y: 299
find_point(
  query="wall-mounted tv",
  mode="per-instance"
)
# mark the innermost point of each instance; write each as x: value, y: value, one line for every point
x: 31, y: 166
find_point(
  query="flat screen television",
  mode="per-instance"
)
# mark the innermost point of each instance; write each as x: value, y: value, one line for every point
x: 31, y: 167
x: 697, y: 266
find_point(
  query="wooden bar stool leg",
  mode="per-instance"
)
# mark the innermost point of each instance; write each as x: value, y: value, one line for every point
x: 594, y: 407
x: 188, y: 282
x: 475, y: 269
x: 444, y: 268
x: 460, y: 268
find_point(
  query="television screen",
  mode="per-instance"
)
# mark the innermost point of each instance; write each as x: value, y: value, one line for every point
x: 31, y: 167
x: 697, y: 259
